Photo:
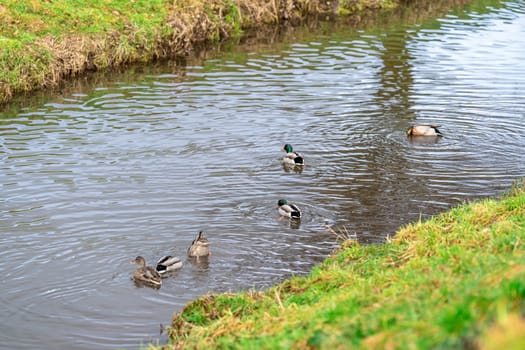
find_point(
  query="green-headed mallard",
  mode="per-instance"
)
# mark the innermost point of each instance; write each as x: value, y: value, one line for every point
x: 288, y: 210
x: 168, y: 263
x: 145, y: 274
x: 291, y: 157
x: 424, y: 130
x: 200, y: 247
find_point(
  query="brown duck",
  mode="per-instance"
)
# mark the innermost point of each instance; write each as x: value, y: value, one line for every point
x: 200, y: 247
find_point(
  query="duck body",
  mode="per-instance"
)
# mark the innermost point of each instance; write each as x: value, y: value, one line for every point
x: 200, y: 247
x: 145, y: 274
x: 292, y: 158
x: 167, y: 264
x: 424, y: 130
x: 288, y: 210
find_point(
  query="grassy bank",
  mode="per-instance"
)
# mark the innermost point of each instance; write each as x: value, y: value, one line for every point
x: 456, y: 281
x: 44, y: 42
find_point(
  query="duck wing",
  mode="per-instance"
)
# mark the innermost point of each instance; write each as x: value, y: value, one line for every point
x: 151, y: 274
x: 168, y: 263
x: 294, y: 157
x: 291, y: 210
x: 147, y: 275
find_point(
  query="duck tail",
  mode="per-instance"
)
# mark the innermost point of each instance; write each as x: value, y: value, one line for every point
x: 299, y: 160
x: 295, y: 214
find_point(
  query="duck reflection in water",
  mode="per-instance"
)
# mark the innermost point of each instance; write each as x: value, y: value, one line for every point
x: 295, y: 224
x: 298, y: 169
x: 425, y: 140
x: 202, y: 263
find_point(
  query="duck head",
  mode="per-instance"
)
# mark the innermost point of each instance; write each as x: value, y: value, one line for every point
x: 287, y: 148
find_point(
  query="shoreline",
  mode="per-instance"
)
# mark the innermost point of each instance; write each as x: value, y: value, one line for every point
x: 456, y: 280
x: 43, y: 46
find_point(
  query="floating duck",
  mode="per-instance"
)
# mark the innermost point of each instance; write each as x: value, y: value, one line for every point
x: 200, y: 247
x: 292, y: 158
x: 168, y: 263
x: 288, y: 210
x: 424, y: 130
x: 145, y: 274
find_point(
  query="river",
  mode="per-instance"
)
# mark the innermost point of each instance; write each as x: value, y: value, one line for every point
x: 133, y: 163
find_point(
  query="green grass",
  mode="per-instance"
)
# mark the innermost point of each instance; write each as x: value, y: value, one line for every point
x: 38, y: 18
x: 455, y: 281
x: 43, y: 42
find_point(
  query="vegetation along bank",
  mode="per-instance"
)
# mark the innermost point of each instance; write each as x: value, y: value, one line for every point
x: 44, y: 42
x: 456, y: 281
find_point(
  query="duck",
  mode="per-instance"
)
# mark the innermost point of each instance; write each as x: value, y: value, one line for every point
x: 167, y: 264
x: 200, y: 247
x: 288, y: 210
x: 424, y: 130
x: 145, y: 274
x: 292, y: 158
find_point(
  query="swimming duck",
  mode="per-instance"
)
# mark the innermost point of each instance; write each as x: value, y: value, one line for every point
x: 200, y: 247
x: 168, y: 263
x: 424, y: 130
x: 288, y: 210
x: 145, y: 274
x: 291, y: 157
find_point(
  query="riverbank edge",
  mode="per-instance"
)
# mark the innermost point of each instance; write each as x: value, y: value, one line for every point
x: 44, y: 46
x: 455, y: 281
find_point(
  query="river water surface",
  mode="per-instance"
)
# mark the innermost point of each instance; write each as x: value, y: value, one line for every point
x: 140, y: 162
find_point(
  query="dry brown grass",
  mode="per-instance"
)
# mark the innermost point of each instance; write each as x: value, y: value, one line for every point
x: 274, y: 11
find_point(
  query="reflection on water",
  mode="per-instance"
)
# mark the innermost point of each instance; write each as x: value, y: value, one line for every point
x: 139, y: 164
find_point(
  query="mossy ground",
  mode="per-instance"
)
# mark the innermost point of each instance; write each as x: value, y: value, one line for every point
x: 455, y: 281
x: 44, y: 42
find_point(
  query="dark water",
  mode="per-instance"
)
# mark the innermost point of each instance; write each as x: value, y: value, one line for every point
x: 138, y: 163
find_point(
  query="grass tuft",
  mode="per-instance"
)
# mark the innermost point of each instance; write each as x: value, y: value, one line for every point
x: 341, y: 234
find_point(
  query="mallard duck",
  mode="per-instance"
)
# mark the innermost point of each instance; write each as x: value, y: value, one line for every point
x: 288, y: 210
x: 145, y: 274
x: 424, y: 130
x: 168, y: 263
x: 200, y: 247
x: 291, y: 157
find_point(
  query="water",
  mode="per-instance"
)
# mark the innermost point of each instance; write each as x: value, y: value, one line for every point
x: 139, y: 163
